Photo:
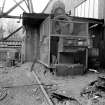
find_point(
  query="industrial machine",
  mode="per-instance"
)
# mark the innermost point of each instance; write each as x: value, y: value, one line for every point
x: 64, y: 43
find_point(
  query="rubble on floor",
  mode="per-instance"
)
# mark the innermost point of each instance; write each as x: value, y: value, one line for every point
x: 57, y: 95
x: 70, y: 87
x: 95, y: 92
x: 17, y: 87
x: 63, y: 100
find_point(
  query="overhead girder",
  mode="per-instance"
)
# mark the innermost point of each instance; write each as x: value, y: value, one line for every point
x: 3, y: 6
x: 26, y: 4
x: 11, y: 9
x: 30, y: 6
x: 3, y: 39
x: 19, y: 5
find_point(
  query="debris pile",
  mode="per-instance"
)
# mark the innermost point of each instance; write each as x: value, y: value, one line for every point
x: 95, y: 92
x: 59, y: 99
x: 18, y: 86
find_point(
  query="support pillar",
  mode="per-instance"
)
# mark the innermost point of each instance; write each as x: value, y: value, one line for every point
x: 31, y: 44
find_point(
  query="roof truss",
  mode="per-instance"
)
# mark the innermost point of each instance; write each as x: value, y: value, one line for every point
x: 28, y: 4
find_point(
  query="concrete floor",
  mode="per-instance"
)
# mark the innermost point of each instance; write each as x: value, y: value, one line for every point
x: 17, y: 94
x: 68, y: 86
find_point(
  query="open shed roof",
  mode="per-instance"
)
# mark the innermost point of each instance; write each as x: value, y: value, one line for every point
x: 34, y: 19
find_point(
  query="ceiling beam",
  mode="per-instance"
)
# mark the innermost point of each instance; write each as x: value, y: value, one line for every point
x: 10, y: 10
x: 37, y: 16
x: 30, y: 6
x: 19, y: 5
x: 3, y: 5
x: 26, y: 4
x: 9, y: 16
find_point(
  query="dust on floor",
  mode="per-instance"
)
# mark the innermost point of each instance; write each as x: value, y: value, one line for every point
x: 17, y: 82
x: 67, y: 86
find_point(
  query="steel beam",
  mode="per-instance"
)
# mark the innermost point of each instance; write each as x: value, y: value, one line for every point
x: 30, y: 6
x: 3, y: 5
x: 10, y: 10
x: 9, y: 16
x: 26, y: 4
x: 3, y: 39
x: 19, y: 5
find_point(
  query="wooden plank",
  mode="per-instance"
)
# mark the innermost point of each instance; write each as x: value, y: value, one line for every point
x: 44, y: 63
x: 74, y: 21
x: 43, y: 90
x: 45, y: 41
x: 69, y: 27
x: 9, y: 16
x: 86, y: 58
x: 44, y: 50
x: 71, y: 36
x: 49, y: 23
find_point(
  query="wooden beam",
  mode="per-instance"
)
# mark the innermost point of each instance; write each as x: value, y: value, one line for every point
x: 19, y: 5
x: 43, y: 90
x: 3, y: 39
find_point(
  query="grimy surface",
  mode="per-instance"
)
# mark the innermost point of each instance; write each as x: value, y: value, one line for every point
x: 70, y: 86
x: 18, y: 86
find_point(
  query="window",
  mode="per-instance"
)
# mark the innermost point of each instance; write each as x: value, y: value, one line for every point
x: 88, y: 9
